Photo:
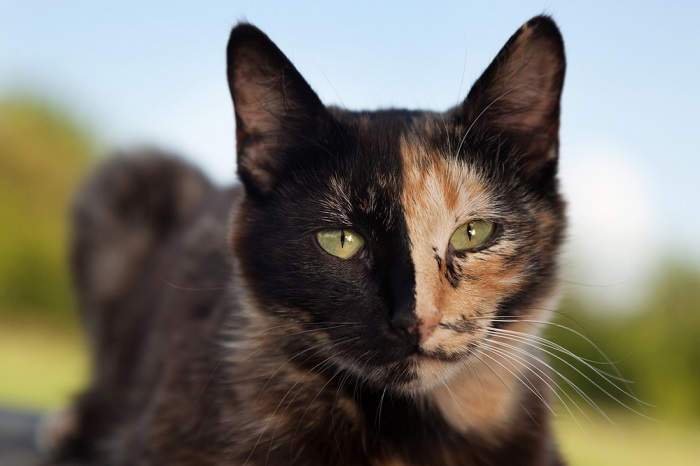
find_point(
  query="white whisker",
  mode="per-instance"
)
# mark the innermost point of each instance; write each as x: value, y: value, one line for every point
x: 531, y: 366
x: 586, y: 397
x: 534, y: 370
x: 607, y: 361
x: 528, y: 386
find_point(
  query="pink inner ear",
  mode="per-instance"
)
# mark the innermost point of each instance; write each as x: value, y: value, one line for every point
x: 258, y: 102
x: 259, y: 164
x: 527, y: 93
x: 519, y: 93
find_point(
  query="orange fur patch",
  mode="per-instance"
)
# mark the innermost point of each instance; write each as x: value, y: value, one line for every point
x: 481, y: 397
x: 441, y: 194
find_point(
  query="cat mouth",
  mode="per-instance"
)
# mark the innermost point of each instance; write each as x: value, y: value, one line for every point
x: 441, y: 354
x: 436, y: 346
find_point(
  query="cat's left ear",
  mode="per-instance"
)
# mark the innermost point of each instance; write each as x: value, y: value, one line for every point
x: 518, y: 96
x: 278, y: 115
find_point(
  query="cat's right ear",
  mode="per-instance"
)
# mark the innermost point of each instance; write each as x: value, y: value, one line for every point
x: 277, y: 113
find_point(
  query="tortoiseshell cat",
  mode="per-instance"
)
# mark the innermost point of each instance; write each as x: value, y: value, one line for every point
x: 385, y: 266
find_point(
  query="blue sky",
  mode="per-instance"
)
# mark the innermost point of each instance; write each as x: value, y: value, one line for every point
x: 154, y: 72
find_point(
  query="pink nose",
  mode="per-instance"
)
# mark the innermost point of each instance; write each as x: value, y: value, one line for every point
x: 416, y: 325
x: 427, y: 326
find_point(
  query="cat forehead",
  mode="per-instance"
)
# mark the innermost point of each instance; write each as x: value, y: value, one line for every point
x: 435, y: 182
x: 422, y: 180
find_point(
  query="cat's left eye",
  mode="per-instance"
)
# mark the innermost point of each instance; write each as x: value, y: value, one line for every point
x: 471, y: 235
x: 340, y: 243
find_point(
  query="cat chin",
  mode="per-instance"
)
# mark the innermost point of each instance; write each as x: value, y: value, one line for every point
x: 418, y: 377
x: 431, y: 374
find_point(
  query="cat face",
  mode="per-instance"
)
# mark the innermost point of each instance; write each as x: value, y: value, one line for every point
x: 389, y: 243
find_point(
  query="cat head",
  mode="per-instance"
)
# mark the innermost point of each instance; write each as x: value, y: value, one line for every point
x: 391, y: 242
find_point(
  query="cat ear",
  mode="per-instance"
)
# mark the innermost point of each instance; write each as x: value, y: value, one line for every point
x: 276, y: 110
x: 518, y: 96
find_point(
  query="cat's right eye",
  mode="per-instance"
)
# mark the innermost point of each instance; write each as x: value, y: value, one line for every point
x: 340, y: 243
x: 471, y: 235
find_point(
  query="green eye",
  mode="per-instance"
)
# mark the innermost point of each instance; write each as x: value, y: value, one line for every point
x: 471, y: 235
x: 340, y: 243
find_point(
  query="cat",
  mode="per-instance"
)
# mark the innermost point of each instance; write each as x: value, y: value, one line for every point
x: 364, y: 296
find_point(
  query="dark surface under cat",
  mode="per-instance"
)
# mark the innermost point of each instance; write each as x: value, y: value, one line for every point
x: 17, y: 438
x: 367, y: 295
x: 18, y: 443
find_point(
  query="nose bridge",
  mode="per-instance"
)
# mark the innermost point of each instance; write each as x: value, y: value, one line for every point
x: 424, y: 203
x: 435, y: 193
x: 427, y: 288
x: 398, y: 280
x: 401, y: 283
x: 413, y: 311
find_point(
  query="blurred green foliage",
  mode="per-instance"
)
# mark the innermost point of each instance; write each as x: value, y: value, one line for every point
x: 656, y: 346
x: 43, y: 155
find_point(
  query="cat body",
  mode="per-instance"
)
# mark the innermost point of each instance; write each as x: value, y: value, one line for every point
x: 226, y: 330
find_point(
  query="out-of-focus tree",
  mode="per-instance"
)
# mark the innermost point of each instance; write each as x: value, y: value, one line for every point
x: 43, y: 154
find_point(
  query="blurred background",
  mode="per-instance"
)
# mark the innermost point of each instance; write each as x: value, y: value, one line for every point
x: 80, y: 78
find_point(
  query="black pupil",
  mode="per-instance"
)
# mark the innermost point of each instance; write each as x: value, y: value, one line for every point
x: 342, y: 238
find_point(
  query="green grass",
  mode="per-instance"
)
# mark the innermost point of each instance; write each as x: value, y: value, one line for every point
x: 42, y: 368
x: 633, y: 441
